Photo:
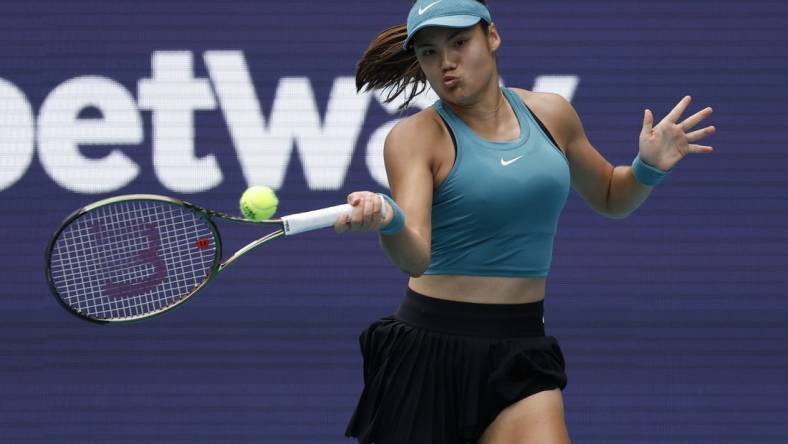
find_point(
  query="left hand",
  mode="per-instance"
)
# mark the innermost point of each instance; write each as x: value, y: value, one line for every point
x: 665, y: 144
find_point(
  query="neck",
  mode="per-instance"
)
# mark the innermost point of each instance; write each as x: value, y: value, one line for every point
x: 488, y: 111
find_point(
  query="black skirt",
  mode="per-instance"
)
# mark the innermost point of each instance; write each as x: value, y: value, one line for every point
x: 439, y: 371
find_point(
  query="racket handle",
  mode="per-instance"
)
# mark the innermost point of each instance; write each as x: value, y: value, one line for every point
x: 314, y: 220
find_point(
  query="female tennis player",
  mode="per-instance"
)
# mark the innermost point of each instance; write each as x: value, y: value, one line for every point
x: 478, y: 183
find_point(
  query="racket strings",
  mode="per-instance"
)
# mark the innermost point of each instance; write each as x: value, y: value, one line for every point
x: 131, y: 259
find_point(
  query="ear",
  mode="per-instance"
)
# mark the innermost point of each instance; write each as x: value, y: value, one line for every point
x: 493, y: 39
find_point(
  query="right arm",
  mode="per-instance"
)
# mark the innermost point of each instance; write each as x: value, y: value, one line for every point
x: 407, y: 158
x: 408, y: 167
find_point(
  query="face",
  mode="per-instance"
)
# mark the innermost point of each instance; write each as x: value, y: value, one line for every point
x: 466, y: 54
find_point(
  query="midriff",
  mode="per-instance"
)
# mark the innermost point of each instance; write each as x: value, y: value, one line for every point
x: 480, y: 289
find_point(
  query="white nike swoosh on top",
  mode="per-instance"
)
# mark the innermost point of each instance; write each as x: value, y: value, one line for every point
x: 507, y: 162
x: 422, y: 11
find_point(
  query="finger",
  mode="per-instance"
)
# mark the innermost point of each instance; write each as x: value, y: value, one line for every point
x: 353, y: 199
x: 356, y: 218
x: 341, y: 225
x: 369, y: 206
x: 378, y: 210
x: 374, y: 223
x: 700, y: 149
x: 694, y: 119
x: 675, y: 113
x: 701, y: 133
x: 352, y: 220
x: 382, y: 207
x: 648, y: 122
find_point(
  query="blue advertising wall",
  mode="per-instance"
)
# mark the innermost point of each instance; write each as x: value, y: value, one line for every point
x: 673, y: 320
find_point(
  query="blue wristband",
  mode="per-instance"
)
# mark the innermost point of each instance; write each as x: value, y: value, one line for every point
x: 397, y: 221
x: 647, y: 174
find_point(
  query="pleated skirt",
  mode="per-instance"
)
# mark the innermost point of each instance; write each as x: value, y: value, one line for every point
x: 439, y: 371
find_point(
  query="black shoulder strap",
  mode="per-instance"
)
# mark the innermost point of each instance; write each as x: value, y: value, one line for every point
x: 541, y: 125
x: 454, y: 141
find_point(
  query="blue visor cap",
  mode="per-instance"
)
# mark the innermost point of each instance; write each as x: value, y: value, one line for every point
x: 448, y: 13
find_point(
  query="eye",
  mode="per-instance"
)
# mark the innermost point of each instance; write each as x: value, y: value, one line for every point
x: 461, y: 41
x: 426, y: 52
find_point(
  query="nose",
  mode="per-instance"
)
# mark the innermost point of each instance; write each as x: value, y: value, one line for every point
x: 447, y: 64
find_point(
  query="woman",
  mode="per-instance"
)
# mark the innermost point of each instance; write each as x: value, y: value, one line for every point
x: 478, y: 182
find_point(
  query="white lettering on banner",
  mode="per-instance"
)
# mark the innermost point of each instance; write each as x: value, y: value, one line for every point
x: 265, y: 147
x: 16, y: 134
x: 173, y: 94
x: 61, y: 132
x: 564, y: 86
x: 325, y: 150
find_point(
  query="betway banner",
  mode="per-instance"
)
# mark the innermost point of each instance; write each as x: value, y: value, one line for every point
x: 325, y: 143
x: 672, y: 321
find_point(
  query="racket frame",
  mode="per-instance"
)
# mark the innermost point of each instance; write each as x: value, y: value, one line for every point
x: 217, y: 266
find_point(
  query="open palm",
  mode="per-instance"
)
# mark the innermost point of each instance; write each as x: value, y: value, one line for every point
x: 662, y: 146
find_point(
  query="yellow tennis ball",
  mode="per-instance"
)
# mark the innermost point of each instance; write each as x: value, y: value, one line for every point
x: 258, y: 203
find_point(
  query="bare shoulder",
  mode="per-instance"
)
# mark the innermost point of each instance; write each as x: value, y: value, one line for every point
x: 546, y: 102
x: 422, y: 138
x: 557, y: 114
x: 417, y: 132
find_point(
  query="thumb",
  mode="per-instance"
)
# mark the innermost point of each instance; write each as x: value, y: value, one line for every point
x: 648, y: 121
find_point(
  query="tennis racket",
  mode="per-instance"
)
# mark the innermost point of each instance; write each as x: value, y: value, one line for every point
x: 131, y: 257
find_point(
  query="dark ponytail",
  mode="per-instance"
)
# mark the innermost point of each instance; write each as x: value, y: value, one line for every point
x: 386, y: 65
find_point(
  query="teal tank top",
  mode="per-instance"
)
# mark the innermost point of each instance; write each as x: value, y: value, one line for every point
x: 496, y: 213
